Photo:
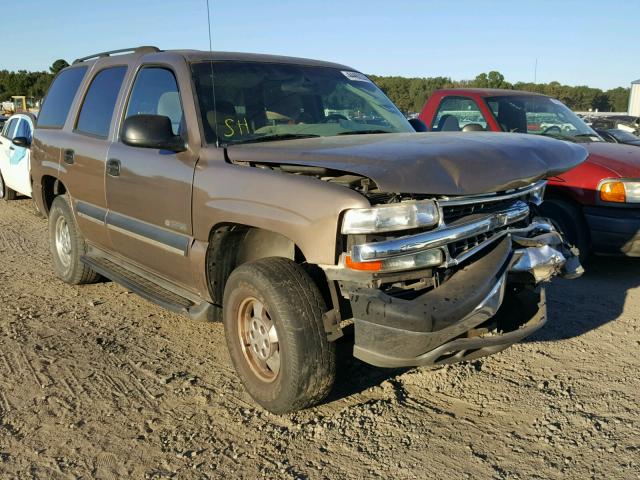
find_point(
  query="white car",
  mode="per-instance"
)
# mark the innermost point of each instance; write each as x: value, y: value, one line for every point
x: 15, y: 161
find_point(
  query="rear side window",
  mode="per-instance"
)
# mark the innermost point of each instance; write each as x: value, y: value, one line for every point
x: 155, y: 92
x: 454, y: 113
x: 10, y: 128
x: 59, y: 98
x: 24, y: 130
x: 100, y: 101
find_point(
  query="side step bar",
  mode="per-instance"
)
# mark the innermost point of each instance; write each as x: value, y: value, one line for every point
x: 149, y: 289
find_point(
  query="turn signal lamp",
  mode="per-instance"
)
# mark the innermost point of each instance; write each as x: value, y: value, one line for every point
x: 613, y: 192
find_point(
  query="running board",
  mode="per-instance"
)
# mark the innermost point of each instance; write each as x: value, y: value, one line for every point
x: 147, y: 288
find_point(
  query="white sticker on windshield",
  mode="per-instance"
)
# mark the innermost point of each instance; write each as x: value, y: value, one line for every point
x: 557, y: 102
x: 356, y: 76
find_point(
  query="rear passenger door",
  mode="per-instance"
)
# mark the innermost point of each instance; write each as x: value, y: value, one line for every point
x: 19, y: 168
x: 149, y: 190
x: 6, y: 144
x: 83, y: 165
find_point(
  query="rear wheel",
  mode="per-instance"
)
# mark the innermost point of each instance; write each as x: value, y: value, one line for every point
x: 273, y: 325
x: 6, y: 193
x: 67, y: 245
x: 570, y: 221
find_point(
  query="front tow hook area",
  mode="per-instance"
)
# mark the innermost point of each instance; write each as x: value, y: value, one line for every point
x: 545, y: 255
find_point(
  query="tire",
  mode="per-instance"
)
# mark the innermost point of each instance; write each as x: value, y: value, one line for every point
x: 570, y: 221
x: 293, y: 306
x: 6, y: 193
x: 67, y: 248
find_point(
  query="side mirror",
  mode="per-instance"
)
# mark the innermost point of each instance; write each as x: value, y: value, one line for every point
x: 21, y: 142
x: 418, y: 125
x: 151, y: 131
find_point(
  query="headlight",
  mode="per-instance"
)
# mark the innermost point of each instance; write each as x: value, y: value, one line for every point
x: 389, y: 218
x: 620, y: 191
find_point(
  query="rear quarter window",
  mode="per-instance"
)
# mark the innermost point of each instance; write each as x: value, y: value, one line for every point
x: 59, y: 98
x: 10, y: 128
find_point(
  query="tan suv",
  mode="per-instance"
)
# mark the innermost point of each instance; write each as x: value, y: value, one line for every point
x: 290, y: 198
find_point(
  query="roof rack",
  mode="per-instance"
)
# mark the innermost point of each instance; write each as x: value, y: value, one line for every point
x: 143, y: 49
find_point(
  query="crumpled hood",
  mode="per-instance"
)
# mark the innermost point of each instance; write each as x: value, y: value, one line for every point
x: 426, y: 163
x: 623, y: 160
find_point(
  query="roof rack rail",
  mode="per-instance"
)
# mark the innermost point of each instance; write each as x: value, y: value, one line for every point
x: 142, y: 49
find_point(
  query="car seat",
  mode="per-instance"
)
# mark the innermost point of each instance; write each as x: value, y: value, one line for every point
x: 448, y: 123
x: 512, y: 117
x: 473, y: 127
x: 169, y: 106
x: 219, y: 115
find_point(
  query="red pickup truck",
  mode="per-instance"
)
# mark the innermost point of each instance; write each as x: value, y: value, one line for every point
x: 597, y: 204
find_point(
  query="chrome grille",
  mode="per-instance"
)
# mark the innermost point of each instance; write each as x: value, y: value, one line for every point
x: 467, y: 225
x: 456, y: 249
x: 458, y: 212
x: 455, y: 212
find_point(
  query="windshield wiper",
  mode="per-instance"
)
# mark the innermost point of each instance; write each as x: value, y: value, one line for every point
x: 558, y: 136
x: 363, y: 132
x: 273, y: 138
x: 587, y: 135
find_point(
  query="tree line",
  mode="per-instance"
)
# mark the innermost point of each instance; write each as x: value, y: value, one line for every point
x: 410, y: 94
x: 30, y: 84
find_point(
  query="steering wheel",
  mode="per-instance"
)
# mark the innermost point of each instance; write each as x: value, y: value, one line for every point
x: 334, y: 118
x: 553, y: 129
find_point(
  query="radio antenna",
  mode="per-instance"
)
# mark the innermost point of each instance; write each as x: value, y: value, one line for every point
x: 213, y: 86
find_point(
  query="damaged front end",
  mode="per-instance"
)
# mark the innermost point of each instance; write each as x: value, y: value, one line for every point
x: 460, y: 282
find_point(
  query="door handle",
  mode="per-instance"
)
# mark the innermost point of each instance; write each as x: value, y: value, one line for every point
x: 11, y: 148
x: 69, y: 156
x: 113, y: 167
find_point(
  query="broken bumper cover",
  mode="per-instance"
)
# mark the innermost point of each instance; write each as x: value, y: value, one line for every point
x: 473, y: 314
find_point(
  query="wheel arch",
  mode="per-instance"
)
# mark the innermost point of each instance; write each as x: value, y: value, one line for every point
x: 233, y: 244
x: 51, y: 187
x: 574, y: 210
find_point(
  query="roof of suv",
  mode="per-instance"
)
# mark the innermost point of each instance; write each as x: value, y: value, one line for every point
x: 489, y: 92
x: 149, y: 53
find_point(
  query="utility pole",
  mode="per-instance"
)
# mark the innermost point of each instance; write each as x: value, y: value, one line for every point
x: 535, y: 72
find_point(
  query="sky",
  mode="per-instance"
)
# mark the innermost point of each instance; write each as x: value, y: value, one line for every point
x: 587, y: 42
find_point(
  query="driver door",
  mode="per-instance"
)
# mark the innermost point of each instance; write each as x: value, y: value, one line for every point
x: 148, y: 190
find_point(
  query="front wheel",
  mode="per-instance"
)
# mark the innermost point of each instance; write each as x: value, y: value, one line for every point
x: 273, y: 325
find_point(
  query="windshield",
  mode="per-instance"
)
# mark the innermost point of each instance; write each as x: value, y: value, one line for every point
x: 623, y: 136
x: 270, y: 101
x: 539, y: 115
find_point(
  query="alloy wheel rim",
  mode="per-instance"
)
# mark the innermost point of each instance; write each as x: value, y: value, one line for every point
x: 259, y: 339
x: 63, y: 242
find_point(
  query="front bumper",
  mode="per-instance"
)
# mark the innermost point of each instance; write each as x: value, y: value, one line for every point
x: 483, y: 308
x: 614, y: 230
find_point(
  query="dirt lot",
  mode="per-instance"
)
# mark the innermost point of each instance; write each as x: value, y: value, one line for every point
x: 97, y: 383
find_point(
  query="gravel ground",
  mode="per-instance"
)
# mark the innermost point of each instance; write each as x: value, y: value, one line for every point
x: 95, y: 382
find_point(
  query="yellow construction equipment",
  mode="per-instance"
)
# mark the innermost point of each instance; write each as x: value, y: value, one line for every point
x: 19, y: 103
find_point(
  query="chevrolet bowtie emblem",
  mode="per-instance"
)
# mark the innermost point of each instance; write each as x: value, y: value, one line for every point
x: 499, y: 220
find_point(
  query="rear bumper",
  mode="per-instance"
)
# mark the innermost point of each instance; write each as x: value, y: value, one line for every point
x: 482, y: 309
x: 614, y: 230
